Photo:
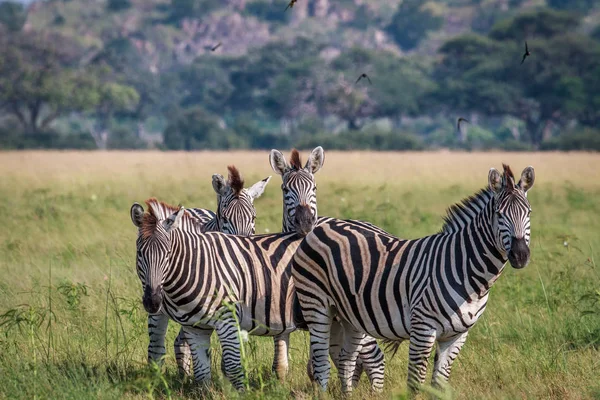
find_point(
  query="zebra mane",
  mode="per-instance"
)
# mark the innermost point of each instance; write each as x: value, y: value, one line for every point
x: 460, y: 214
x: 236, y: 182
x: 157, y: 211
x: 295, y: 161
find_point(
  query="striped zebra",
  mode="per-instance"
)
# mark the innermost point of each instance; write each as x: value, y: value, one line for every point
x: 300, y: 215
x: 429, y: 290
x: 194, y: 278
x: 235, y: 215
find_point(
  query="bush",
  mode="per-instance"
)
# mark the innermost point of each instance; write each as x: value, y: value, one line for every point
x: 411, y: 23
x: 197, y: 129
x: 364, y: 140
x: 586, y: 139
x: 14, y: 139
x: 123, y: 138
x: 118, y: 5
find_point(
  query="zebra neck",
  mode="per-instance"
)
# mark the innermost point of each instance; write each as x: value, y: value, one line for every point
x: 484, y: 261
x: 212, y: 225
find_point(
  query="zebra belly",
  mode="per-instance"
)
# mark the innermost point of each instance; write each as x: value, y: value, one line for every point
x: 451, y: 320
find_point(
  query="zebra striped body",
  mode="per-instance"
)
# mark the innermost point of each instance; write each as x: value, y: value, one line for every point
x: 236, y: 214
x: 192, y: 277
x: 430, y: 290
x: 300, y: 215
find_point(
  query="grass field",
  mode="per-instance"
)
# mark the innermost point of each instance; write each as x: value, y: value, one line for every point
x: 73, y: 325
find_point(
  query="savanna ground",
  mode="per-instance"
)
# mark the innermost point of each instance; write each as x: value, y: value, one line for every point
x: 73, y: 324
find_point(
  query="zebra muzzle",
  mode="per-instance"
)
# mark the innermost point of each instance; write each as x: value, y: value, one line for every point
x: 518, y: 256
x: 152, y: 299
x: 304, y: 220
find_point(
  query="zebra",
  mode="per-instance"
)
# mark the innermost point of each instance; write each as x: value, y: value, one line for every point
x: 300, y: 214
x: 235, y: 215
x: 430, y: 290
x: 213, y: 281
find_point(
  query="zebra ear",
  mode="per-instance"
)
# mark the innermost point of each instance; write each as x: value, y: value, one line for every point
x: 258, y: 188
x: 137, y: 213
x: 495, y: 180
x: 278, y: 162
x: 219, y: 184
x: 527, y: 179
x: 315, y: 160
x: 174, y: 220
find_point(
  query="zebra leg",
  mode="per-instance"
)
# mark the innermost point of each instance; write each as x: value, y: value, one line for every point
x: 371, y: 359
x: 157, y: 330
x: 319, y: 329
x: 199, y: 343
x: 183, y: 354
x: 280, y: 360
x: 421, y: 344
x: 445, y: 355
x: 348, y: 356
x: 231, y: 362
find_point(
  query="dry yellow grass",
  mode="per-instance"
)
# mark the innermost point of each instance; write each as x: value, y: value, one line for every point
x: 70, y: 211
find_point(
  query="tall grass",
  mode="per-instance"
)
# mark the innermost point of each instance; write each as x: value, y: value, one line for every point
x: 72, y: 325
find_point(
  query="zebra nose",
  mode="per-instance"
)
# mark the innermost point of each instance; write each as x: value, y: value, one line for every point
x: 518, y: 256
x: 152, y: 299
x: 304, y: 220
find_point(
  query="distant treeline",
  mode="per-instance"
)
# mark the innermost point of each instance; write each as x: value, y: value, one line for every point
x: 57, y: 91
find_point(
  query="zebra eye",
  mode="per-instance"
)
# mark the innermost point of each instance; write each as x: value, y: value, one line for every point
x: 315, y: 188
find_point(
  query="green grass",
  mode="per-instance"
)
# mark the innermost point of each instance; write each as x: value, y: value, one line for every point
x: 73, y: 324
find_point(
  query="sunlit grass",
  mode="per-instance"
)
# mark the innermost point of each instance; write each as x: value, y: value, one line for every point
x: 65, y: 224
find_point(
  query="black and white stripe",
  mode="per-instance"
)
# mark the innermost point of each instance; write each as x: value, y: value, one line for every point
x: 300, y: 215
x: 430, y: 290
x: 190, y: 276
x: 235, y: 215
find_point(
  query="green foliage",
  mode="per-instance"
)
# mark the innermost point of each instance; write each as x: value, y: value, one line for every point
x: 544, y: 23
x: 72, y: 293
x: 196, y: 129
x: 581, y: 6
x: 585, y: 139
x: 12, y: 15
x: 263, y: 9
x: 118, y: 5
x: 411, y: 23
x: 371, y: 139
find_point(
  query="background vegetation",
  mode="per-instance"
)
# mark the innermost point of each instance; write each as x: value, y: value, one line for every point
x: 136, y: 74
x: 72, y: 325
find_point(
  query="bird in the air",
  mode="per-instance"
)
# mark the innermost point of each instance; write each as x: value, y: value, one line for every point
x: 527, y: 53
x: 291, y: 4
x: 216, y: 47
x: 363, y: 75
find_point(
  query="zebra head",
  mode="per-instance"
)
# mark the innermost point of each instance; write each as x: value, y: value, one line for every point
x: 236, y: 213
x: 512, y: 211
x: 299, y: 188
x: 154, y: 248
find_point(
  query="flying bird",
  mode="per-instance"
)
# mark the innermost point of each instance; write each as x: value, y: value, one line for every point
x: 291, y: 4
x: 216, y: 47
x: 363, y: 75
x: 461, y: 119
x: 527, y: 53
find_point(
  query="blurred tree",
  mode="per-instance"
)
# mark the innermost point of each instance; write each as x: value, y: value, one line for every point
x: 411, y: 23
x: 542, y: 23
x: 118, y: 5
x: 39, y: 81
x: 197, y: 129
x: 581, y: 6
x: 12, y: 15
x: 206, y: 83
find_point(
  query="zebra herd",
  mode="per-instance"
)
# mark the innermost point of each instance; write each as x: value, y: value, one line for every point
x: 346, y: 282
